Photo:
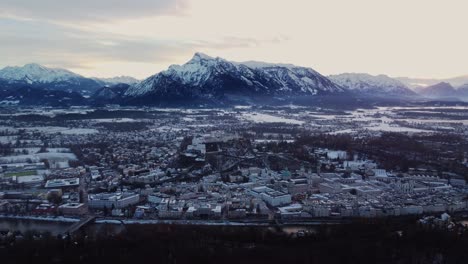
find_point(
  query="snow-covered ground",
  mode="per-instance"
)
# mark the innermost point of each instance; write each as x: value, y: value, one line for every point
x: 36, y: 157
x: 63, y: 130
x: 266, y: 118
x: 113, y: 120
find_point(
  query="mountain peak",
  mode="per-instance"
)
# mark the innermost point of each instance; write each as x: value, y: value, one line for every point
x: 201, y: 56
x: 34, y: 65
x: 442, y: 89
x: 446, y: 84
x: 38, y: 75
x: 205, y: 77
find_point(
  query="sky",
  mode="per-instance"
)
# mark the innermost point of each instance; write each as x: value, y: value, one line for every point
x: 105, y: 38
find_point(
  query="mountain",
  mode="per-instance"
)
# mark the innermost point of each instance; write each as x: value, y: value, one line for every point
x: 205, y: 79
x: 24, y: 95
x: 38, y: 76
x: 369, y: 85
x: 424, y: 82
x: 116, y: 80
x: 109, y: 94
x: 442, y: 89
x: 462, y: 91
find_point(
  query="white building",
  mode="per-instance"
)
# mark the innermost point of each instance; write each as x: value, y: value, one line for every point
x: 109, y: 200
x: 276, y: 198
x: 63, y: 183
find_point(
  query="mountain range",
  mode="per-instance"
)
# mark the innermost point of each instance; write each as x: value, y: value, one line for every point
x: 206, y: 80
x: 38, y: 76
x: 366, y: 84
x: 443, y: 90
x: 425, y: 82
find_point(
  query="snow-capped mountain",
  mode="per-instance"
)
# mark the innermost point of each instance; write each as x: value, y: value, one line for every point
x: 366, y: 84
x: 36, y: 75
x: 216, y: 79
x: 442, y: 89
x: 118, y: 79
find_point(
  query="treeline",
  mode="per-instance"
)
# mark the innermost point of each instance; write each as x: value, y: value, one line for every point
x: 376, y: 241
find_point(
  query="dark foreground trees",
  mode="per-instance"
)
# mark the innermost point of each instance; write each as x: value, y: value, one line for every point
x: 378, y: 241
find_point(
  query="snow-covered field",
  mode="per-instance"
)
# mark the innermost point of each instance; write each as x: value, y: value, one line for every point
x: 266, y: 118
x: 273, y: 140
x: 36, y: 157
x: 8, y: 139
x: 113, y: 120
x: 63, y: 130
x: 386, y: 127
x: 384, y: 119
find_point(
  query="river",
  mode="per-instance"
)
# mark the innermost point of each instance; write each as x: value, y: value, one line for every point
x: 56, y: 228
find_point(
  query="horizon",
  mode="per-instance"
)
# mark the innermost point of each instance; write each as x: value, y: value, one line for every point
x: 108, y: 38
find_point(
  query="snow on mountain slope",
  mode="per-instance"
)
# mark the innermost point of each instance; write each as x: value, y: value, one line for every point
x: 36, y: 73
x: 118, y: 79
x: 208, y: 77
x: 371, y: 85
x: 51, y: 78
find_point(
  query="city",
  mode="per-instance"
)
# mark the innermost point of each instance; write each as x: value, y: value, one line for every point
x: 238, y: 165
x: 233, y: 131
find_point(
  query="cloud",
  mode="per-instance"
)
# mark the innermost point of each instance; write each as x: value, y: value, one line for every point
x: 44, y: 42
x: 61, y: 46
x: 396, y: 37
x: 98, y: 10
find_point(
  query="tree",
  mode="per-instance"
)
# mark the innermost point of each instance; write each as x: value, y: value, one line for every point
x: 105, y: 210
x: 54, y: 198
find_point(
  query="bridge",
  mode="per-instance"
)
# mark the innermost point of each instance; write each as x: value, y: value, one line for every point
x: 76, y: 226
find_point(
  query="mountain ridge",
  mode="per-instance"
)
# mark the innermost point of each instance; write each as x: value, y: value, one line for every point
x: 366, y: 84
x: 208, y: 78
x: 39, y: 76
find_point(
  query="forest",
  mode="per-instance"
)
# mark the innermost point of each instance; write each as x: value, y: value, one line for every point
x: 362, y: 241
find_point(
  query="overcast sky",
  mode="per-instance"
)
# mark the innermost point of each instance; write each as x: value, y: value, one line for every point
x: 417, y: 38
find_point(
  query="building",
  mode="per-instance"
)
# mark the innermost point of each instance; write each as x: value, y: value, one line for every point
x: 47, y: 209
x: 204, y: 211
x: 62, y: 183
x: 326, y: 187
x: 73, y: 209
x: 276, y: 198
x: 258, y: 191
x: 115, y: 200
x: 298, y: 186
x: 367, y: 191
x: 290, y: 211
